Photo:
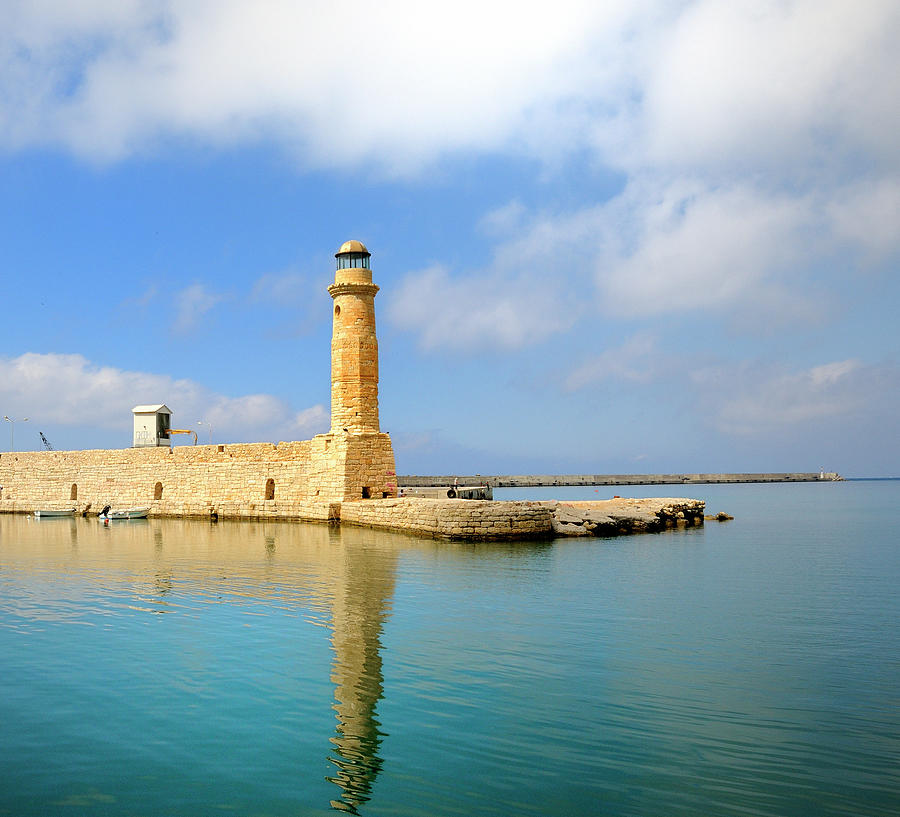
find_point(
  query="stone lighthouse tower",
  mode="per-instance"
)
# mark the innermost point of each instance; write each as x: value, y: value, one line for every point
x: 354, y: 347
x: 357, y: 459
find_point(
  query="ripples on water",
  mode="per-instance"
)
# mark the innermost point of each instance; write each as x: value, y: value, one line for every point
x: 169, y: 667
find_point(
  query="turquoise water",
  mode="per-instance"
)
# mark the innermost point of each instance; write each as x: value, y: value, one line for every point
x: 181, y: 668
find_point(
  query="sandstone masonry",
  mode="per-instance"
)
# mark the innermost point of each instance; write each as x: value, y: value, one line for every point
x: 303, y: 480
x: 347, y: 475
x: 484, y: 519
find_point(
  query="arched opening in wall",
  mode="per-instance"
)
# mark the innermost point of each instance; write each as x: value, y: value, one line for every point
x: 367, y: 492
x: 157, y: 491
x: 73, y: 494
x: 270, y: 489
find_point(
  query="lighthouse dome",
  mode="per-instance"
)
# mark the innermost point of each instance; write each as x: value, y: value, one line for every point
x: 352, y: 255
x: 353, y: 246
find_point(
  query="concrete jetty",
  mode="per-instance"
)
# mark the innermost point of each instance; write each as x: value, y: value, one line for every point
x: 559, y: 480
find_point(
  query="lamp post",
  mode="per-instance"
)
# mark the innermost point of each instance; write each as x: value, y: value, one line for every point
x: 209, y: 425
x: 12, y: 430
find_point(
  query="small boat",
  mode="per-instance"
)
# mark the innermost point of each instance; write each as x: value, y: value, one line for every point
x: 129, y: 513
x: 51, y: 512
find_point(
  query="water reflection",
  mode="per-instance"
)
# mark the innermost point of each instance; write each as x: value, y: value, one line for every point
x: 345, y: 577
x: 359, y: 611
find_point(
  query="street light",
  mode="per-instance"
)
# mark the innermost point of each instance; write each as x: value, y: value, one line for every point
x: 12, y: 430
x: 204, y: 423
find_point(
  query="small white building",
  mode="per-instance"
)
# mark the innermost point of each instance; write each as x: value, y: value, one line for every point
x: 151, y: 426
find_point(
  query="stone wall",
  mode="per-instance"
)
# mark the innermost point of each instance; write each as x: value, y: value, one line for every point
x: 367, y: 463
x: 351, y: 466
x: 305, y: 480
x: 301, y: 480
x: 453, y: 518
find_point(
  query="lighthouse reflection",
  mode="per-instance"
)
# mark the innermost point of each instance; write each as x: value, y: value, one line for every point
x: 359, y: 611
x: 260, y: 573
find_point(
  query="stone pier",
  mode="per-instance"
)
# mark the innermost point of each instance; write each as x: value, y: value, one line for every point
x: 486, y: 520
x: 347, y: 475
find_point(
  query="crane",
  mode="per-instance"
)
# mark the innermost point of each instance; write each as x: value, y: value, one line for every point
x: 183, y: 431
x: 45, y: 441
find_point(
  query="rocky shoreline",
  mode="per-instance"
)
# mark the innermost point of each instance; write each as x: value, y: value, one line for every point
x: 619, y: 517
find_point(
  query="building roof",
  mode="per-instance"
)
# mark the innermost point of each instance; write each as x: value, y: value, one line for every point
x: 161, y: 408
x: 352, y: 246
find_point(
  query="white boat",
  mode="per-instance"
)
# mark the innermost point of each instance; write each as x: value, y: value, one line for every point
x: 50, y: 512
x: 128, y: 513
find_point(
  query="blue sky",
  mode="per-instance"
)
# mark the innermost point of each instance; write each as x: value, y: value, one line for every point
x: 610, y: 238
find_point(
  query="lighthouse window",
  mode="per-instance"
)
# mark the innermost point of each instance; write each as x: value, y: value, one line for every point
x: 353, y: 260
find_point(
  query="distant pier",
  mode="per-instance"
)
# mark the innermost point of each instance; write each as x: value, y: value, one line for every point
x: 556, y: 480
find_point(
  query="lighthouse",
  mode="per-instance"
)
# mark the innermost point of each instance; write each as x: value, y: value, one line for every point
x: 354, y: 347
x: 355, y: 459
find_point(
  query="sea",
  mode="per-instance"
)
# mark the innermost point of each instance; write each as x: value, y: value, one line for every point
x: 173, y: 667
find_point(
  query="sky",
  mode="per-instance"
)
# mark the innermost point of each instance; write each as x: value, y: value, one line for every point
x: 611, y: 237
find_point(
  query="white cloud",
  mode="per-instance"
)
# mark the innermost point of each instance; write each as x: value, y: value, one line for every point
x: 636, y: 360
x: 312, y: 420
x: 682, y: 244
x: 191, y: 304
x: 754, y: 399
x: 339, y: 82
x: 662, y: 246
x: 69, y: 390
x: 755, y: 134
x: 451, y: 313
x: 763, y: 83
x: 243, y: 415
x: 504, y: 220
x: 141, y: 301
x: 749, y: 83
x: 689, y: 246
x: 866, y: 215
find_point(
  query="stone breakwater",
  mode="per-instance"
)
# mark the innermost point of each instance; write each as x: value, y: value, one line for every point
x: 453, y: 518
x: 487, y: 520
x: 557, y: 480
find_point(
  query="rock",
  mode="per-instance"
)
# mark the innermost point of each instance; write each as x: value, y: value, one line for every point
x: 601, y: 525
x: 568, y: 529
x: 568, y: 514
x: 721, y: 516
x: 622, y: 516
x: 598, y: 518
x: 637, y: 518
